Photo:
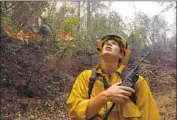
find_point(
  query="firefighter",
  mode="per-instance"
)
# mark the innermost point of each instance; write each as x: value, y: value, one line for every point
x: 84, y: 105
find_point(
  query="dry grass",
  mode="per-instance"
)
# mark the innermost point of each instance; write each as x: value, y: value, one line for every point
x: 166, y: 104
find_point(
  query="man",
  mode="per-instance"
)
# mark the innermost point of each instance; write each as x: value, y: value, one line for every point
x: 114, y: 54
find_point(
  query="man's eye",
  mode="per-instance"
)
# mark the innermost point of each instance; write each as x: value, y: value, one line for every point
x: 114, y: 43
x: 105, y: 42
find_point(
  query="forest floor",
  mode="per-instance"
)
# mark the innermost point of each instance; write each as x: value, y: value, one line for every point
x: 165, y: 98
x: 14, y: 107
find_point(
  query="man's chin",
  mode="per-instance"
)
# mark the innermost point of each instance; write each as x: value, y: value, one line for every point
x: 108, y: 57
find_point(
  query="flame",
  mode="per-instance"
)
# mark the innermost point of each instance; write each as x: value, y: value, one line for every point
x: 33, y: 36
x: 21, y: 35
x: 6, y: 30
x: 65, y: 37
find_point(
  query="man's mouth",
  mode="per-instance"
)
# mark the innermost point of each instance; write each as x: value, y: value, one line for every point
x: 108, y: 48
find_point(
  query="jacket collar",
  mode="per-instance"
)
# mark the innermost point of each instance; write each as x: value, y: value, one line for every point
x: 118, y: 71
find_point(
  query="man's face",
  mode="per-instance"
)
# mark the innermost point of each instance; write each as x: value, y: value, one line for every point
x: 111, y: 51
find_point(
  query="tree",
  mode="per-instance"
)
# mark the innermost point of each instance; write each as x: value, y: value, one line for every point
x: 26, y: 13
x: 170, y: 5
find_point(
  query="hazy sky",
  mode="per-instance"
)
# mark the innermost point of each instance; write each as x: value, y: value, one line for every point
x: 126, y: 9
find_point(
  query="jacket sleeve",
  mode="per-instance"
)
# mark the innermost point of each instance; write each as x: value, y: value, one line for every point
x: 145, y: 101
x: 78, y: 99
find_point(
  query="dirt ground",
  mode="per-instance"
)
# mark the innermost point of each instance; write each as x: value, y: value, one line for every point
x: 166, y: 103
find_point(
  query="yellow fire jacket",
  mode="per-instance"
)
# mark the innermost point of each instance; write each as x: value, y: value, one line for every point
x: 145, y: 108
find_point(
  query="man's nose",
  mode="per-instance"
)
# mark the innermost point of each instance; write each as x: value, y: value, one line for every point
x: 109, y: 44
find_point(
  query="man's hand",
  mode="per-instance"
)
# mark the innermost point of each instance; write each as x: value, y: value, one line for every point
x: 118, y: 94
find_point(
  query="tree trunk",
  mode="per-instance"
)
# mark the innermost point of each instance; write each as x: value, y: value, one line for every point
x: 88, y: 17
x: 78, y: 15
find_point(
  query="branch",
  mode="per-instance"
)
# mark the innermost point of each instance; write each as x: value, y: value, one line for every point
x: 27, y: 19
x: 45, y: 61
x: 59, y: 59
x: 11, y: 5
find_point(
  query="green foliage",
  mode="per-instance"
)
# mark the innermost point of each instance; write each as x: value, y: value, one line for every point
x: 71, y: 49
x: 8, y: 24
x: 62, y: 20
x: 139, y: 38
x: 6, y: 20
x: 86, y: 45
x: 69, y: 25
x: 99, y: 25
